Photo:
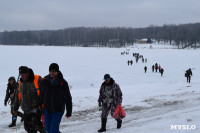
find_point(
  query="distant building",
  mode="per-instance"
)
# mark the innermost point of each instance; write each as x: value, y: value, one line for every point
x: 146, y: 41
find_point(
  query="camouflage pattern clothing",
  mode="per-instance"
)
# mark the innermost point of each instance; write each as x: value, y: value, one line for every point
x: 10, y: 91
x: 32, y: 122
x: 110, y: 96
x: 30, y: 98
x: 30, y: 104
x: 10, y: 94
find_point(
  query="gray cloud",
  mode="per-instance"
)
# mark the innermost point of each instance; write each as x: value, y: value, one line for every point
x: 57, y: 14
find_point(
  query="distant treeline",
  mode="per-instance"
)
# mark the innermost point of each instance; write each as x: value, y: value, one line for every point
x: 180, y: 35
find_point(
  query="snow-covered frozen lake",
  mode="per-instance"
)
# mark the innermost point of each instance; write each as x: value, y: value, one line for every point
x: 152, y: 102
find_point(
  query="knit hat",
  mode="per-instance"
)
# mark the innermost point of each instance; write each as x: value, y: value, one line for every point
x: 54, y: 67
x: 106, y: 76
x: 23, y: 69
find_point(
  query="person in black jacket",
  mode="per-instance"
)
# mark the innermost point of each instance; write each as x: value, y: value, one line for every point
x: 156, y: 67
x: 55, y: 96
x: 188, y: 74
x: 131, y: 62
x: 10, y: 94
x: 161, y: 71
x: 153, y: 68
x: 145, y: 69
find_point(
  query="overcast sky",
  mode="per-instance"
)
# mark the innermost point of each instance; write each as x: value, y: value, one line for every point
x: 58, y: 14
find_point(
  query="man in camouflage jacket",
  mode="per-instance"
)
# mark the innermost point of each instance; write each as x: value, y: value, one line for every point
x: 110, y: 96
x: 29, y: 101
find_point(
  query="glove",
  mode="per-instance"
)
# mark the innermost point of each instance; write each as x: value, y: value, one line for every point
x: 100, y: 108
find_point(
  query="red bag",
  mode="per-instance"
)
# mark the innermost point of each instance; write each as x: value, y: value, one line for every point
x: 119, y: 113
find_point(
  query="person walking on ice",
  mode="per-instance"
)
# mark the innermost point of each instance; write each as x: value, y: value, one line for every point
x: 110, y: 95
x: 161, y: 71
x: 10, y: 94
x: 56, y: 96
x: 153, y: 68
x: 28, y: 96
x: 145, y: 69
x: 131, y: 62
x: 188, y: 74
x: 156, y: 67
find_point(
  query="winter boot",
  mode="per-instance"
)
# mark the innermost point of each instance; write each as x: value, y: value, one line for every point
x: 103, y: 125
x: 119, y: 123
x: 13, y: 124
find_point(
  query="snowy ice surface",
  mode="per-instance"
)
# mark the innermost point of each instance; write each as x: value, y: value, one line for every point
x: 152, y: 102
